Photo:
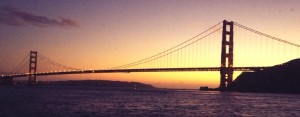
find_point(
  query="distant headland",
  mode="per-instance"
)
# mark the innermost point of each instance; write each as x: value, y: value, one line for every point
x: 283, y: 78
x: 93, y: 83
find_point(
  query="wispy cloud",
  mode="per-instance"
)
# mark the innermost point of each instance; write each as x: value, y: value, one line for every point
x: 15, y: 17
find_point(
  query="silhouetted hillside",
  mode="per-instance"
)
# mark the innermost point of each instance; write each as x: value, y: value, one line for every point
x: 94, y: 83
x: 283, y: 78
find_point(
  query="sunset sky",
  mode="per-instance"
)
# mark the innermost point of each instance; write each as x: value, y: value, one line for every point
x: 99, y: 34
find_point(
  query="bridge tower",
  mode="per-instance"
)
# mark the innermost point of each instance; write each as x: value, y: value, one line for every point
x: 226, y: 71
x: 32, y: 68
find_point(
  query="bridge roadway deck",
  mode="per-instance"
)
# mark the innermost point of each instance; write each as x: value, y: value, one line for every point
x: 135, y: 70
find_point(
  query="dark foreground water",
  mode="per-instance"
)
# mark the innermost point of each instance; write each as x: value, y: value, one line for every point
x: 90, y: 101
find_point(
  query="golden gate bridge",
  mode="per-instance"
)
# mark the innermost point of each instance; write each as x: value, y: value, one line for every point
x: 199, y: 53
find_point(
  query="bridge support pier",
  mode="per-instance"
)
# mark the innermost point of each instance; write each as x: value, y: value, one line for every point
x: 226, y: 71
x: 6, y: 81
x: 32, y: 68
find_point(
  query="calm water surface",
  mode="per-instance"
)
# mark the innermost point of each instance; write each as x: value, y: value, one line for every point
x: 91, y: 101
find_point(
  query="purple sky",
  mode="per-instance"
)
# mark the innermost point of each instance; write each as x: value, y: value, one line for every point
x: 105, y: 33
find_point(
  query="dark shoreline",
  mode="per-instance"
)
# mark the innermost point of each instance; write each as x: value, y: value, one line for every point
x: 282, y: 78
x: 104, y: 84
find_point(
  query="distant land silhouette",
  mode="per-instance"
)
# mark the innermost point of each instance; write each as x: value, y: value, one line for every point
x: 93, y: 83
x: 283, y: 78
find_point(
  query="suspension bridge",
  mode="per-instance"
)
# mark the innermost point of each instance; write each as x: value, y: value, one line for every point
x: 253, y: 50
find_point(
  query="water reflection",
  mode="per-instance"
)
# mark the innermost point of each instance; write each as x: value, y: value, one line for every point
x: 70, y: 101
